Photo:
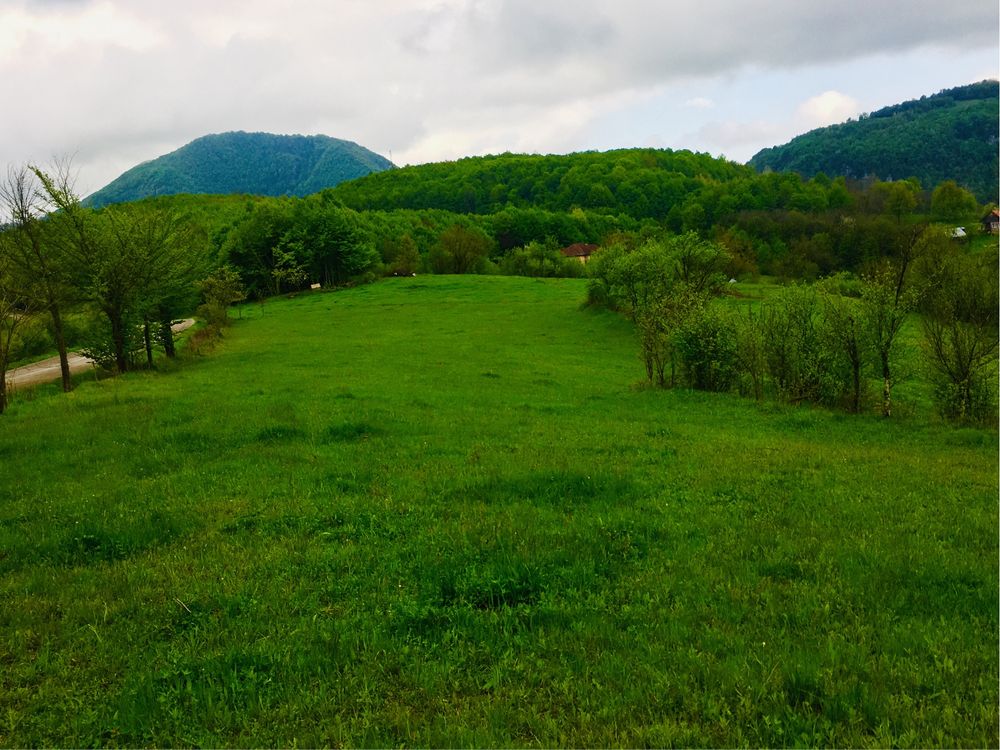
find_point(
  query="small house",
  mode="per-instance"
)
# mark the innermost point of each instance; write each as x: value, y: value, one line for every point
x: 581, y: 251
x: 958, y: 233
x: 991, y: 222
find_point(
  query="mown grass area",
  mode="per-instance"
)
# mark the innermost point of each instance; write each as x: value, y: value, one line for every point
x: 439, y: 511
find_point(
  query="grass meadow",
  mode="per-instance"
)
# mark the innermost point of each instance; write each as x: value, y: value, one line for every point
x: 443, y: 511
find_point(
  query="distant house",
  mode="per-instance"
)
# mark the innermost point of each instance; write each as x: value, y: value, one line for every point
x: 581, y: 251
x: 991, y: 222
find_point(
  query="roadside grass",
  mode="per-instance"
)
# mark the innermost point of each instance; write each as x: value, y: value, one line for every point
x: 443, y: 511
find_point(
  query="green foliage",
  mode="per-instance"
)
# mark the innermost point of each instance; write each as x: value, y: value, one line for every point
x: 542, y: 260
x: 949, y: 202
x: 640, y: 183
x: 707, y: 347
x: 900, y: 198
x: 400, y: 256
x: 888, y: 296
x: 949, y: 136
x: 662, y: 285
x: 796, y: 360
x: 460, y: 250
x: 844, y: 338
x: 219, y: 291
x: 960, y: 326
x: 249, y: 163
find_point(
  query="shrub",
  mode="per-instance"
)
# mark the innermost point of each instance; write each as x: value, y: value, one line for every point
x: 800, y: 366
x: 706, y: 342
x: 751, y: 359
x: 961, y: 336
x: 537, y: 259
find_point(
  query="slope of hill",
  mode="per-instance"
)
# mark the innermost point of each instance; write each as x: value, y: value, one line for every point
x: 951, y: 135
x: 254, y: 163
x: 639, y: 182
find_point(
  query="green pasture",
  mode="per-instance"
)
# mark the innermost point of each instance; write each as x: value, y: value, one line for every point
x: 444, y: 511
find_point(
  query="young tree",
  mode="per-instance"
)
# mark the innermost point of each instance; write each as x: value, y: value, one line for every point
x: 792, y: 348
x: 220, y: 290
x: 961, y: 337
x: 949, y: 202
x: 15, y: 309
x: 329, y: 241
x: 35, y: 249
x: 843, y: 334
x: 138, y: 263
x: 460, y: 250
x: 888, y: 296
x: 751, y: 352
x: 700, y: 264
x: 401, y: 256
x: 886, y: 301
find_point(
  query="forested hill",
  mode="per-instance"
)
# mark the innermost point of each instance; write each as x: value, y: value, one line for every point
x: 951, y: 135
x: 642, y: 183
x: 253, y: 163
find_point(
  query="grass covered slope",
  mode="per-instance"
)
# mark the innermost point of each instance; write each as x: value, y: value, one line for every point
x: 251, y: 163
x: 951, y: 135
x: 436, y: 511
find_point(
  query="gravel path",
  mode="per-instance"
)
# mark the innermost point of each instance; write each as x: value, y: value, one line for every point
x: 48, y: 369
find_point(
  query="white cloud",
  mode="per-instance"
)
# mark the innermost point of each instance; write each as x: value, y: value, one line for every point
x: 427, y: 79
x: 828, y: 108
x: 733, y: 137
x: 57, y: 29
x: 699, y: 102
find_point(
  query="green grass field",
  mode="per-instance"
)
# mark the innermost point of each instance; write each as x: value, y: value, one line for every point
x: 441, y: 511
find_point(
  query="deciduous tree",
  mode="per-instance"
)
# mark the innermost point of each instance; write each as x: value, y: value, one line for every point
x: 35, y: 249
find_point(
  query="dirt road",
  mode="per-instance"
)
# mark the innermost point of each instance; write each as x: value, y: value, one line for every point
x: 48, y: 369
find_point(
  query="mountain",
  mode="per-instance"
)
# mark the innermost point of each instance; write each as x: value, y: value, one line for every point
x: 252, y: 163
x: 951, y: 135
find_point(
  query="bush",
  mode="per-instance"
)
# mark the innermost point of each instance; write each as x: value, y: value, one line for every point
x: 707, y: 344
x: 31, y: 339
x: 800, y: 366
x: 536, y: 259
x: 961, y: 336
x: 974, y: 402
x: 751, y: 361
x: 98, y: 346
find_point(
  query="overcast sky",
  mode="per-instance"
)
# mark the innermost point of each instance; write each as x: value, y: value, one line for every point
x: 116, y: 82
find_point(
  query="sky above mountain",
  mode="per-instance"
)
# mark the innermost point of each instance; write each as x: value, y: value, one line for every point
x: 112, y: 83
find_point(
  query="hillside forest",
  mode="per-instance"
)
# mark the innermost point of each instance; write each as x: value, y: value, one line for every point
x: 112, y: 279
x: 948, y: 135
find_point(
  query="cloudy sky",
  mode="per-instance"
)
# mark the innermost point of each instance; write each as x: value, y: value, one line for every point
x: 116, y: 82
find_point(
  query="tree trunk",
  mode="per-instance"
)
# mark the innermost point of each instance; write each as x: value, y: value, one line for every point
x: 148, y: 341
x: 60, y: 337
x: 118, y: 341
x: 886, y: 387
x: 856, y: 406
x: 167, y: 336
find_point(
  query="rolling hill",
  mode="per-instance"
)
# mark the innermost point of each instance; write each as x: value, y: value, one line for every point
x: 642, y: 183
x: 951, y: 135
x: 238, y: 162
